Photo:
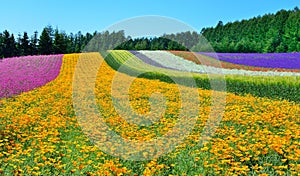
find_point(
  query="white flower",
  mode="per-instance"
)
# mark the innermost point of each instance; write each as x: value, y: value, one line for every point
x: 175, y: 62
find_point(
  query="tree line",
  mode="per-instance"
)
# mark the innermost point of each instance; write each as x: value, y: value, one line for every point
x: 279, y: 32
x: 49, y: 42
x: 156, y: 43
x: 53, y: 41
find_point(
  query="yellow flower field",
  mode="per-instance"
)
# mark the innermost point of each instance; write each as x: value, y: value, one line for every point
x: 40, y: 134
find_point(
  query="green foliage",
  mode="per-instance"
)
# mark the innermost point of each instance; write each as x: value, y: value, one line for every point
x: 101, y: 42
x: 45, y: 43
x: 60, y: 43
x: 160, y: 43
x: 269, y: 33
x: 34, y: 44
x: 287, y: 88
x: 24, y: 45
x: 7, y: 45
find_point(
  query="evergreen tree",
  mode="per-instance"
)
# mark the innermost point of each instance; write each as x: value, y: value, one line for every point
x: 60, y: 43
x: 268, y: 33
x: 45, y: 43
x: 1, y: 45
x: 13, y: 45
x: 18, y: 45
x: 34, y: 44
x: 24, y: 45
x: 9, y: 45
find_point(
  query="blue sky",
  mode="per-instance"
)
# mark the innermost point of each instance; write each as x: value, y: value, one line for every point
x: 90, y: 15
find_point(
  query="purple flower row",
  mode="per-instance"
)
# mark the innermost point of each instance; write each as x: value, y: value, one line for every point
x: 148, y: 60
x: 267, y: 60
x: 21, y: 74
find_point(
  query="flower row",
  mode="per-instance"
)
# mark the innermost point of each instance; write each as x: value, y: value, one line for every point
x: 178, y: 63
x: 267, y: 60
x: 212, y: 59
x: 22, y: 74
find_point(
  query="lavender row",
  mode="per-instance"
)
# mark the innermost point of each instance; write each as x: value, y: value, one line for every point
x: 148, y: 60
x: 21, y: 74
x: 178, y: 63
x: 267, y: 60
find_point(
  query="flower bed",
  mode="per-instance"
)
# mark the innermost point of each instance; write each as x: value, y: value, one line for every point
x: 21, y: 74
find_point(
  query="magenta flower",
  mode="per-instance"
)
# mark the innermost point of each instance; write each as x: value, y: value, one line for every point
x: 21, y: 74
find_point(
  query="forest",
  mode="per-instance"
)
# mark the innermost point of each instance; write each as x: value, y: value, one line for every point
x: 279, y: 32
x: 269, y: 33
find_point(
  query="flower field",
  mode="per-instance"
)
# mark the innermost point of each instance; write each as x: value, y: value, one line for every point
x: 22, y: 74
x: 269, y: 60
x: 286, y: 85
x: 210, y: 60
x: 40, y: 133
x: 178, y: 63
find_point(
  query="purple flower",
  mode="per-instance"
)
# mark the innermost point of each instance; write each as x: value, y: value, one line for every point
x: 267, y: 60
x: 21, y: 74
x: 148, y: 60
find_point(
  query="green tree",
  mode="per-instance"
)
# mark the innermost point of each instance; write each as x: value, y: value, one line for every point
x: 9, y: 45
x: 291, y: 37
x: 24, y: 45
x: 34, y: 44
x: 45, y: 43
x: 277, y: 32
x: 60, y: 43
x: 1, y: 45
